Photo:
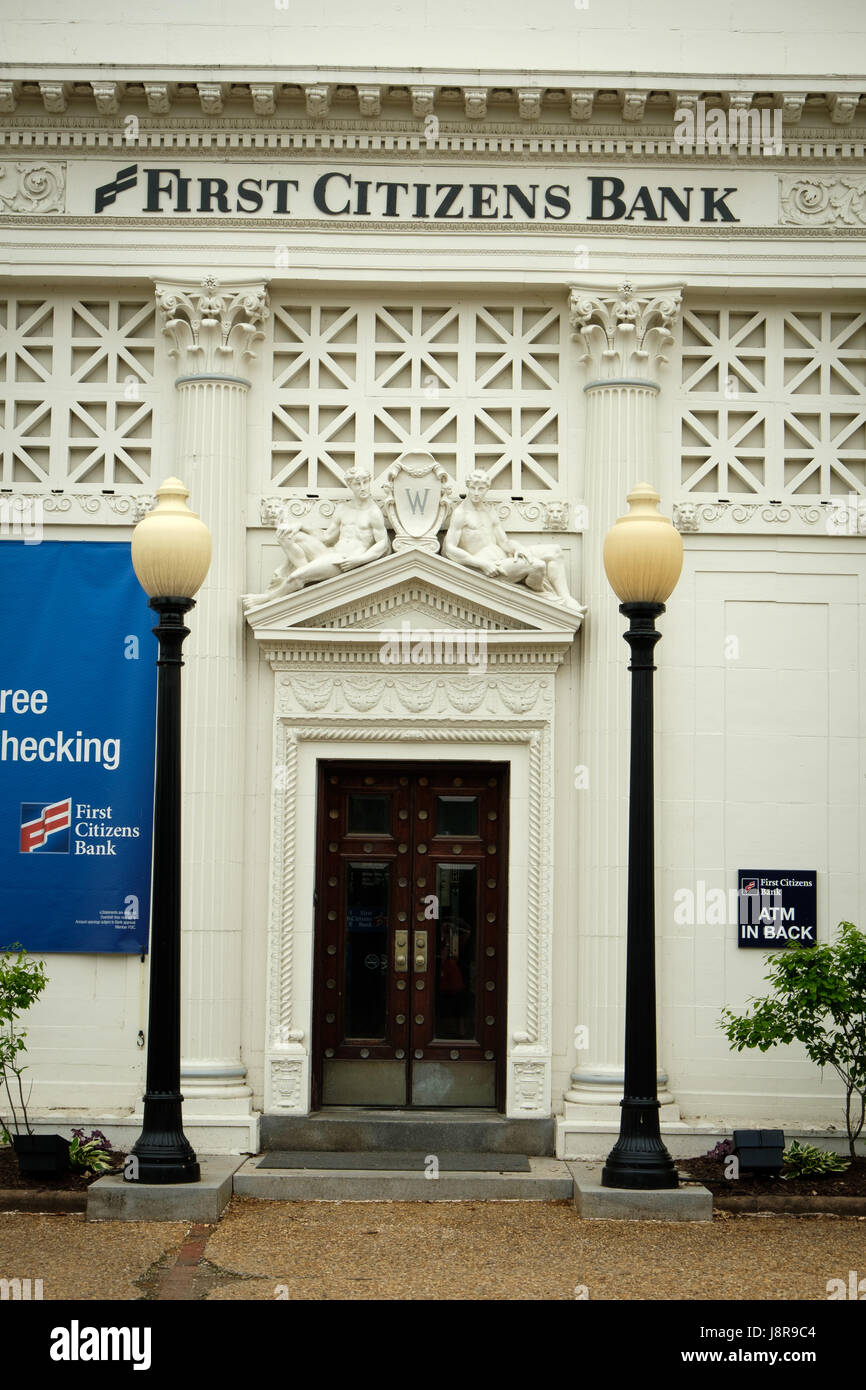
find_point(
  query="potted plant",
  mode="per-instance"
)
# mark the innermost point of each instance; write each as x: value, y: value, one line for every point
x: 21, y: 982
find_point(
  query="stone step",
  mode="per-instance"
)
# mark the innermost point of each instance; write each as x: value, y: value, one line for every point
x: 548, y: 1180
x: 354, y: 1129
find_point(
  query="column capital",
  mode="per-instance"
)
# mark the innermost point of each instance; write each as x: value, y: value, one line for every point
x: 211, y: 327
x: 625, y: 332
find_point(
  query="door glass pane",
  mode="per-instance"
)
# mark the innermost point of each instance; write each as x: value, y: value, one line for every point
x: 456, y: 950
x: 369, y: 815
x: 457, y: 815
x: 367, y: 889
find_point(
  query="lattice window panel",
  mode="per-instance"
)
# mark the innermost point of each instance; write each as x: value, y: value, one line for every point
x: 477, y: 384
x: 76, y: 391
x: 773, y: 402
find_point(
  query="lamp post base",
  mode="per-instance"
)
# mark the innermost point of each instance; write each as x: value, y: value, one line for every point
x: 162, y: 1153
x: 639, y: 1159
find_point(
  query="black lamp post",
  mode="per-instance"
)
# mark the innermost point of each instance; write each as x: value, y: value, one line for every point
x: 643, y: 557
x: 171, y: 550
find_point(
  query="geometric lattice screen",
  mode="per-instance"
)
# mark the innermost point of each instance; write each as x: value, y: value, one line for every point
x: 476, y: 385
x: 773, y: 402
x: 76, y: 391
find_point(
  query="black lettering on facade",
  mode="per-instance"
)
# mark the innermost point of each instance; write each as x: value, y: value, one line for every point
x: 362, y: 188
x: 320, y: 189
x: 643, y: 203
x: 392, y: 189
x: 155, y: 190
x: 482, y: 200
x: 600, y: 196
x: 421, y: 191
x: 717, y: 205
x: 681, y: 206
x: 250, y: 191
x: 556, y: 196
x: 453, y: 193
x: 210, y: 189
x: 282, y: 186
x: 514, y: 193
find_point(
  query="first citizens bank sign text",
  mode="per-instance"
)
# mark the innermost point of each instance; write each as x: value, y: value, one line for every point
x: 77, y: 735
x: 414, y: 194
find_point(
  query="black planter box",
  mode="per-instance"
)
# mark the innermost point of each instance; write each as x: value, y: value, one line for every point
x: 41, y: 1154
x: 759, y: 1150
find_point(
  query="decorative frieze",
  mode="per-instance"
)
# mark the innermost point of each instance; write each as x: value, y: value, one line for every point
x: 834, y: 201
x: 844, y: 517
x: 32, y: 188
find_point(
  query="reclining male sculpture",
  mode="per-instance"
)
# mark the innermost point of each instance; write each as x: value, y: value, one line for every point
x: 356, y: 536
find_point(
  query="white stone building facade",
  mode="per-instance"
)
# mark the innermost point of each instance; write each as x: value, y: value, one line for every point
x: 575, y: 257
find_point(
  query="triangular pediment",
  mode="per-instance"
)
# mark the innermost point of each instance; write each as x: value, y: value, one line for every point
x: 420, y: 589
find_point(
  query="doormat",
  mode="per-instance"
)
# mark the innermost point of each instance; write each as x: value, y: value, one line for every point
x: 400, y: 1161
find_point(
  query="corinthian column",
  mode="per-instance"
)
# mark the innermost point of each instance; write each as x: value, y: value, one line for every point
x: 211, y: 330
x: 624, y: 336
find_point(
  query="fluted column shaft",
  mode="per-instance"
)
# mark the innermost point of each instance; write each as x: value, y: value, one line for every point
x: 624, y: 335
x: 212, y: 330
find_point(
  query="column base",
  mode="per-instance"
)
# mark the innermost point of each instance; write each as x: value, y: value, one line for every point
x: 215, y: 1088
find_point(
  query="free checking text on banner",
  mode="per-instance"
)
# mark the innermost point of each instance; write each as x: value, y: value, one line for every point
x: 77, y: 737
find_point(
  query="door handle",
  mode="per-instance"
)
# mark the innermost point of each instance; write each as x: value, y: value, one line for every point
x: 420, y: 951
x: 401, y: 951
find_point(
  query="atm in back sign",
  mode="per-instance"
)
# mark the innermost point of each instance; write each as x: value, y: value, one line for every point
x: 777, y: 907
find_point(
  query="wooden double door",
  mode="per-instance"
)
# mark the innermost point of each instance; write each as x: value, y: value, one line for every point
x: 410, y: 962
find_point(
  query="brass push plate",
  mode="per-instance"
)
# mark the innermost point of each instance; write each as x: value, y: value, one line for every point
x: 420, y: 951
x: 401, y: 951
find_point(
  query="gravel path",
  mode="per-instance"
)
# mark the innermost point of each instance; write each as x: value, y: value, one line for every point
x: 438, y: 1250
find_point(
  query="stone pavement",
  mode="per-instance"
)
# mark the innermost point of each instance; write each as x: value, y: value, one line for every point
x: 439, y: 1250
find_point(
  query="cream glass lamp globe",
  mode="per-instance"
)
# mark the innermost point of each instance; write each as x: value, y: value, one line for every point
x: 171, y: 546
x: 643, y: 552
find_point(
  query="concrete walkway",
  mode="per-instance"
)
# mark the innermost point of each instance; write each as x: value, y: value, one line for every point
x: 440, y: 1250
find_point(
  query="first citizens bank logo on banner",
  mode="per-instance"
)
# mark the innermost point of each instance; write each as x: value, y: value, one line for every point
x: 77, y: 734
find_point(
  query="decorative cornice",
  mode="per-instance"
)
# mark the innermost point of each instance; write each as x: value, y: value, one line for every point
x: 211, y: 327
x: 481, y: 95
x: 624, y: 333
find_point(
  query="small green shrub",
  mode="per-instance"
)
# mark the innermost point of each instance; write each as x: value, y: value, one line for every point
x: 807, y: 1161
x: 90, y: 1154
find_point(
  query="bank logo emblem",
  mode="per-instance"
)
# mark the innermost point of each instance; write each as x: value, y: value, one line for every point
x: 45, y: 828
x: 123, y: 179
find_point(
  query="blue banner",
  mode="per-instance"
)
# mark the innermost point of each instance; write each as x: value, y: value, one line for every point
x: 77, y: 740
